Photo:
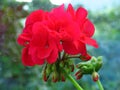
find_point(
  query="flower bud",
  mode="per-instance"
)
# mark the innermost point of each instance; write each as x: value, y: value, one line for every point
x: 79, y: 65
x: 72, y: 68
x: 95, y: 76
x: 99, y: 61
x: 53, y: 67
x: 61, y: 64
x: 55, y: 76
x: 45, y: 78
x: 48, y: 69
x: 63, y: 77
x: 78, y: 75
x: 67, y: 68
x: 86, y: 57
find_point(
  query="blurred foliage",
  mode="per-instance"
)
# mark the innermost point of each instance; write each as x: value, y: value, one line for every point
x: 14, y: 76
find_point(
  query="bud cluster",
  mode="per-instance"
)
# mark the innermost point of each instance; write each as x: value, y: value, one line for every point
x: 89, y: 67
x: 55, y: 71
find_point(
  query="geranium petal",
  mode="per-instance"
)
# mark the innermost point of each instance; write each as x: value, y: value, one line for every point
x: 54, y: 53
x: 26, y: 58
x: 37, y: 15
x: 43, y: 52
x: 89, y: 41
x: 70, y: 48
x: 88, y: 28
x: 72, y: 30
x: 33, y: 51
x: 82, y: 48
x: 53, y: 56
x: 23, y: 39
x: 40, y: 35
x: 58, y: 9
x: 85, y: 57
x: 81, y: 13
x: 40, y: 61
x: 70, y: 9
x: 74, y: 48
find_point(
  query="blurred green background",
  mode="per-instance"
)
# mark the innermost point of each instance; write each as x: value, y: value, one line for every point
x: 14, y: 76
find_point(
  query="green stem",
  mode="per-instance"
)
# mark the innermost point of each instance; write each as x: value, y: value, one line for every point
x: 100, y: 85
x: 73, y: 57
x: 73, y: 81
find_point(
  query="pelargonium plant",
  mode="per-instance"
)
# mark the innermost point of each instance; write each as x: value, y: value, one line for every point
x: 54, y: 38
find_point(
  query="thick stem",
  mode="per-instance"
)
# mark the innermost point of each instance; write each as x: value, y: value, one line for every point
x: 99, y: 85
x: 73, y: 81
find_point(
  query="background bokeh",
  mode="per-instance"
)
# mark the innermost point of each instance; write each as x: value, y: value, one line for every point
x: 15, y: 76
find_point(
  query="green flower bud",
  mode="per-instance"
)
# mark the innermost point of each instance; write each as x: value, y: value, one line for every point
x: 95, y: 76
x: 48, y: 69
x: 61, y: 64
x: 72, y: 68
x: 55, y: 76
x: 79, y: 74
x: 62, y: 77
x: 89, y: 66
x: 45, y: 77
x: 53, y: 67
x: 67, y: 69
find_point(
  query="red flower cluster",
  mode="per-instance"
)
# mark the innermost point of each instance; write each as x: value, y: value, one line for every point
x: 48, y: 33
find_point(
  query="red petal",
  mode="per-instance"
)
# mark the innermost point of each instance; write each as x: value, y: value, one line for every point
x: 88, y: 28
x: 53, y: 56
x: 43, y: 53
x: 40, y: 35
x: 82, y: 48
x: 26, y: 58
x: 81, y: 13
x: 35, y: 16
x: 23, y: 39
x: 70, y: 9
x: 72, y: 30
x: 58, y: 9
x: 54, y: 53
x: 70, y: 48
x: 74, y: 48
x: 33, y: 52
x: 85, y: 57
x: 89, y: 41
x: 56, y: 37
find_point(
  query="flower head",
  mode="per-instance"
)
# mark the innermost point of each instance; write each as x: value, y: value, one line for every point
x: 46, y: 34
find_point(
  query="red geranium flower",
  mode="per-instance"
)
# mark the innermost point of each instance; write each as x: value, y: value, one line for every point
x: 86, y: 29
x: 48, y: 33
x: 40, y: 43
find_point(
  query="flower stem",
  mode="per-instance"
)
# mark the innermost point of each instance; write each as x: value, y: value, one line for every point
x: 73, y: 57
x: 99, y: 85
x: 73, y: 81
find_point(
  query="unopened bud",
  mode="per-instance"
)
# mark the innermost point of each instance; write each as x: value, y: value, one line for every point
x: 79, y: 65
x: 67, y: 68
x: 62, y: 64
x: 55, y: 76
x: 63, y: 77
x: 53, y: 67
x: 48, y: 69
x: 78, y: 75
x: 72, y: 68
x: 95, y: 76
x: 45, y: 78
x: 86, y: 57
